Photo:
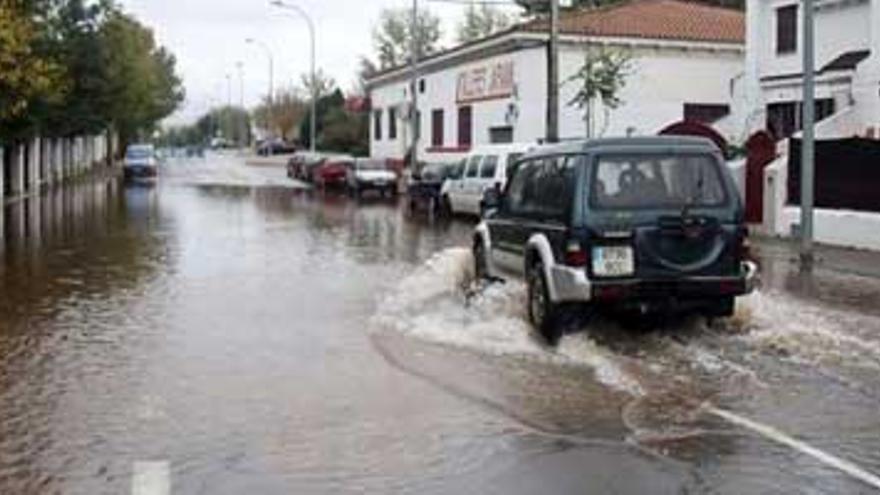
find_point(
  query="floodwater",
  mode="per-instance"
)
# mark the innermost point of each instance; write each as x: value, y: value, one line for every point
x: 223, y: 331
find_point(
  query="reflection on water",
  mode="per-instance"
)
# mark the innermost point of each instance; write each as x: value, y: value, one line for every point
x: 244, y: 335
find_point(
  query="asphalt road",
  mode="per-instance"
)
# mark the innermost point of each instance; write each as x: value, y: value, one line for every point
x: 223, y: 330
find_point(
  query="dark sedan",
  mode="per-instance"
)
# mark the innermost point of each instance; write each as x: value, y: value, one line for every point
x: 424, y: 187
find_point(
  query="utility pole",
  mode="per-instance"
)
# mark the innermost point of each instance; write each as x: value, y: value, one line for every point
x: 808, y: 148
x: 413, y: 87
x: 552, y: 124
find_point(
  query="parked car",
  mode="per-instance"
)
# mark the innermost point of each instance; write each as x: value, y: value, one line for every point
x: 485, y: 167
x: 644, y: 224
x: 371, y: 175
x: 332, y: 171
x: 302, y: 165
x: 140, y: 161
x: 425, y: 185
x: 271, y: 147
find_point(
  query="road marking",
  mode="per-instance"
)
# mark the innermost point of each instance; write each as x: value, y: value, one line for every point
x: 151, y: 478
x: 777, y: 436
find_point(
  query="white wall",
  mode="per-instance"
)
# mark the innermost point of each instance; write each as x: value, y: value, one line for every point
x: 838, y: 227
x: 661, y: 81
x: 839, y: 28
x: 440, y: 93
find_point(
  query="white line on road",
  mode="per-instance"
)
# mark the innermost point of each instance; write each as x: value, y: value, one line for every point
x: 151, y: 478
x: 777, y: 436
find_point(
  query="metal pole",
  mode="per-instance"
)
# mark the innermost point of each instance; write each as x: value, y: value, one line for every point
x: 553, y: 75
x: 413, y: 87
x: 228, y: 90
x: 808, y: 142
x: 313, y: 126
x: 311, y: 25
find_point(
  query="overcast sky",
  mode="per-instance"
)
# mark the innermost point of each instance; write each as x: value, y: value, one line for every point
x: 208, y: 38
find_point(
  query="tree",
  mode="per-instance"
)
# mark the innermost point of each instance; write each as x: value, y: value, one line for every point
x: 322, y: 84
x: 391, y: 37
x: 345, y: 132
x: 324, y: 105
x: 366, y: 70
x: 600, y: 78
x: 140, y: 76
x: 480, y: 22
x: 90, y: 67
x: 289, y: 108
x: 25, y: 74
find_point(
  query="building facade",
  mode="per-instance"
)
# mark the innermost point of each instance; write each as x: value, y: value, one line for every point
x: 847, y: 73
x: 685, y: 62
x: 847, y: 67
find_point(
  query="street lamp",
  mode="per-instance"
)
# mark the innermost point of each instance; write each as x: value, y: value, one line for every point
x: 252, y: 41
x: 304, y: 15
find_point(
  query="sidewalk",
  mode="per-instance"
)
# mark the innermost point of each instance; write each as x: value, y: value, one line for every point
x: 839, y: 259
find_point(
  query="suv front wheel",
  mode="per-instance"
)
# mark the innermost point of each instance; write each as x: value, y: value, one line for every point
x: 543, y: 312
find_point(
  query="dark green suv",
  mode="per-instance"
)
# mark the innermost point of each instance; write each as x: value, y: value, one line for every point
x: 644, y: 224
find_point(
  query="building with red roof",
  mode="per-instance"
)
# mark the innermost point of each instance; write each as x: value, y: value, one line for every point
x: 686, y: 62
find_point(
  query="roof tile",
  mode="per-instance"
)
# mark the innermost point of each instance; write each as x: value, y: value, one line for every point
x: 655, y: 19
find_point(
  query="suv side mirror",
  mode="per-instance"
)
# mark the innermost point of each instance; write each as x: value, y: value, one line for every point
x: 491, y: 199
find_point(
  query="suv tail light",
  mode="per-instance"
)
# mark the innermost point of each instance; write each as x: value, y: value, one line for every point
x: 575, y: 254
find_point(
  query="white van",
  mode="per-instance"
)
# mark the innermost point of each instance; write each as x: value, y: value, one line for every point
x: 483, y: 168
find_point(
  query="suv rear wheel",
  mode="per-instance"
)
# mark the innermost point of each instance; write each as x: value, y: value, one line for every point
x: 543, y: 312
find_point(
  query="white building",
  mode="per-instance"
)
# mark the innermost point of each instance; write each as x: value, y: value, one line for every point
x: 847, y: 66
x: 847, y: 93
x: 686, y: 62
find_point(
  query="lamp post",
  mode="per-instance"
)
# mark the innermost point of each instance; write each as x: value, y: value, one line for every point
x: 302, y: 13
x: 270, y: 113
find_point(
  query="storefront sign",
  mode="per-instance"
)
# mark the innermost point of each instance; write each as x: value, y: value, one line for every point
x: 488, y: 82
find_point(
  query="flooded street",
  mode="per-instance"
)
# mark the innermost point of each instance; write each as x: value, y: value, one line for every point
x: 225, y: 331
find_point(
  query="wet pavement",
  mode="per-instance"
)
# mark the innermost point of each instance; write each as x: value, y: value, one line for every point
x: 225, y: 331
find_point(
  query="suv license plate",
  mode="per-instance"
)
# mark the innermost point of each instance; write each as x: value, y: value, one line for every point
x: 613, y: 261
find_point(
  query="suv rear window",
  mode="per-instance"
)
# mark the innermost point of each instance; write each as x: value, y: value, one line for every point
x: 656, y: 181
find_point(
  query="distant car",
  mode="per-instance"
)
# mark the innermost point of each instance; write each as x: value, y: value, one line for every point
x: 275, y: 147
x: 425, y: 185
x: 140, y: 161
x: 371, y: 175
x: 332, y: 172
x: 485, y: 167
x: 640, y: 225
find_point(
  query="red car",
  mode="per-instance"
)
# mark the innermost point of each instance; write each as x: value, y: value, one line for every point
x: 333, y: 172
